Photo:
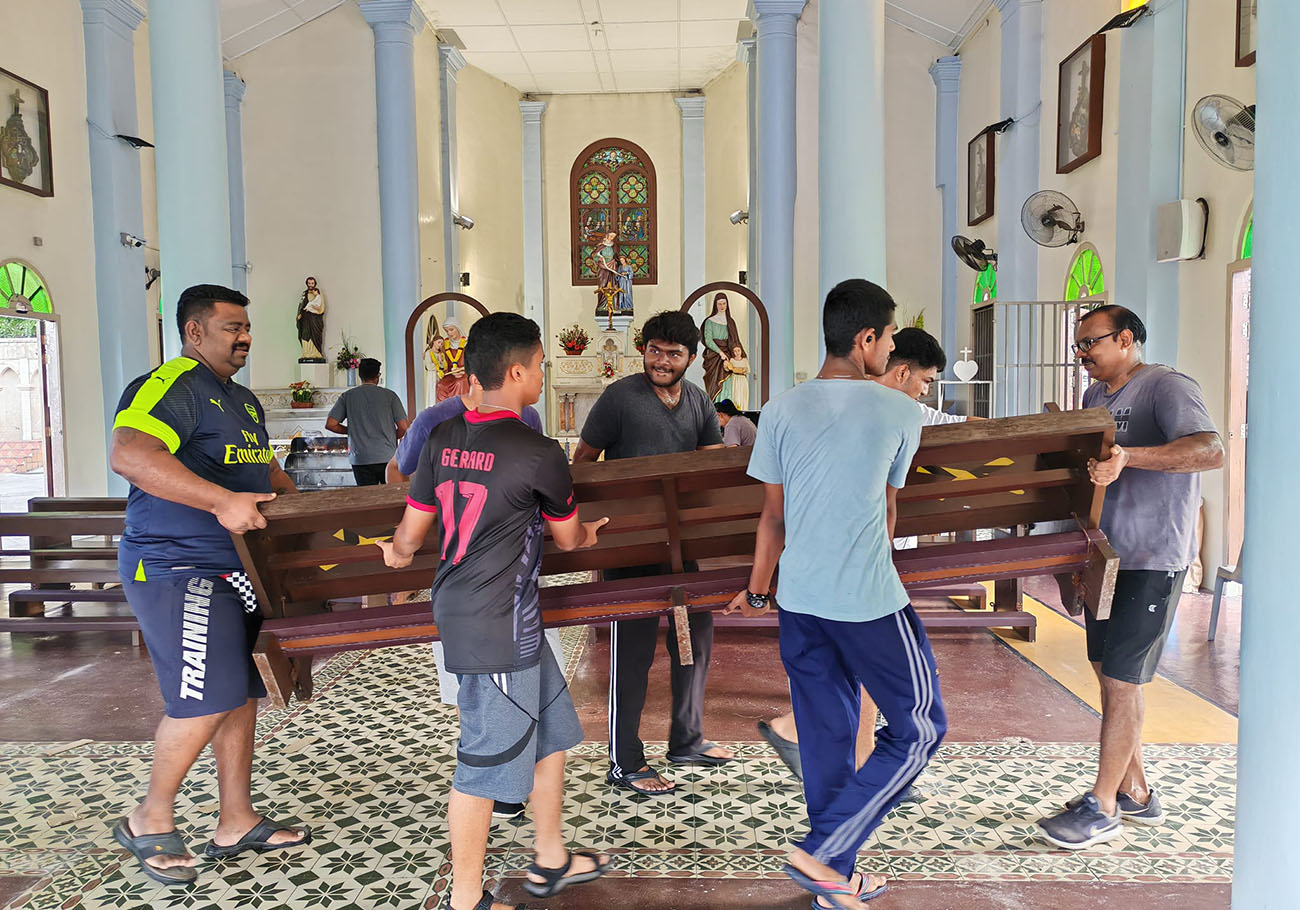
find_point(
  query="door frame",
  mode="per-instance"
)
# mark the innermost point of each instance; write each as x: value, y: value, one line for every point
x: 1229, y: 550
x: 56, y: 469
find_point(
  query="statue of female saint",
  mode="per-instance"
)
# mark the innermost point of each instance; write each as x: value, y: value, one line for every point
x: 311, y: 323
x: 452, y: 378
x: 625, y: 275
x: 721, y: 337
x: 603, y: 264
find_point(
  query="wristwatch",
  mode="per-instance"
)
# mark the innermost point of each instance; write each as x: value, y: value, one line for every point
x: 757, y: 601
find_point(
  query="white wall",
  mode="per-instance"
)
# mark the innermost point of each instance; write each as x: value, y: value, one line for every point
x: 490, y: 152
x: 570, y: 124
x: 52, y: 56
x: 312, y: 191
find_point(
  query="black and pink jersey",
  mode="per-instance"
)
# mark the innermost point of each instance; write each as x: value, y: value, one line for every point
x: 491, y: 479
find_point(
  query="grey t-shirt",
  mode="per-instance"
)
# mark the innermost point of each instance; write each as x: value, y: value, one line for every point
x: 371, y: 413
x: 1150, y: 516
x: 740, y: 431
x: 629, y: 420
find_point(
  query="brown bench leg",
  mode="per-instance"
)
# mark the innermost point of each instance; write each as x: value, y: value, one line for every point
x: 1008, y: 596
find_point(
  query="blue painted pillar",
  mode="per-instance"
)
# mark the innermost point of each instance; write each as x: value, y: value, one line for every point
x: 1151, y: 96
x: 450, y: 62
x: 1018, y: 179
x: 851, y: 142
x: 109, y: 27
x: 693, y: 192
x: 747, y: 53
x: 235, y: 163
x: 1266, y: 855
x: 534, y: 226
x: 777, y: 21
x: 946, y: 73
x: 189, y: 122
x: 395, y: 24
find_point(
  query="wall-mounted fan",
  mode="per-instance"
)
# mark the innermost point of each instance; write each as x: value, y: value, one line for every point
x: 1226, y: 129
x: 1051, y: 219
x: 973, y: 252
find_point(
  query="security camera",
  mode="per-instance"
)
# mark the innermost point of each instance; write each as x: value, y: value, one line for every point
x: 738, y: 216
x: 464, y: 221
x: 130, y: 240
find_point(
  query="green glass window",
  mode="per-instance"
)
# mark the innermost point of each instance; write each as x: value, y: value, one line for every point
x: 986, y: 285
x: 1248, y: 240
x: 19, y: 282
x: 612, y: 191
x: 1086, y: 278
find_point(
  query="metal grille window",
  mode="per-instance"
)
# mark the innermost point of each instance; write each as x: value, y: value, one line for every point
x: 1024, y: 349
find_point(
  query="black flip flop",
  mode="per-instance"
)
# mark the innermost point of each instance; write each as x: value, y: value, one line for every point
x: 556, y: 880
x: 699, y: 757
x: 627, y: 781
x: 258, y: 839
x: 484, y: 903
x: 147, y: 845
x: 786, y: 750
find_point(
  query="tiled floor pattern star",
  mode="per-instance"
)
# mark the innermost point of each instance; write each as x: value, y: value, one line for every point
x: 369, y: 761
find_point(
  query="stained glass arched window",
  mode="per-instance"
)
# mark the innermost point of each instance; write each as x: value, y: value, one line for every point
x: 612, y: 190
x: 1248, y: 239
x: 986, y: 285
x: 22, y: 289
x: 1086, y: 278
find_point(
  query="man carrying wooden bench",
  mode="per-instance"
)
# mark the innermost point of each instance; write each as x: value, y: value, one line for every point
x: 493, y: 481
x: 194, y: 446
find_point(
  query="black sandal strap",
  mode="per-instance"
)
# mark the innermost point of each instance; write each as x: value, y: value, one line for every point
x: 551, y: 876
x: 484, y: 902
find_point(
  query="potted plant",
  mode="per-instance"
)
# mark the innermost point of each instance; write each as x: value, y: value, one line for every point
x: 349, y: 358
x: 574, y: 340
x: 301, y: 394
x: 638, y: 342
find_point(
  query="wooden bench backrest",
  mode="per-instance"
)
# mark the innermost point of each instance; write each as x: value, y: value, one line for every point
x: 677, y: 509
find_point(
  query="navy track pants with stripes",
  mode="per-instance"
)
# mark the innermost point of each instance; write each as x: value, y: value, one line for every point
x: 826, y: 660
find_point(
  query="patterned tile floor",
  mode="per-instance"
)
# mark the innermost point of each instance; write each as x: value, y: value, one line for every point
x: 368, y: 764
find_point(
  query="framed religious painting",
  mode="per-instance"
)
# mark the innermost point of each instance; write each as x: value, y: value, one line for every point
x: 25, y: 136
x: 1247, y: 31
x: 1079, y: 105
x: 980, y: 177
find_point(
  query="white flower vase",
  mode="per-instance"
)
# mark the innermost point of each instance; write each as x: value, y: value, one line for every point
x: 352, y: 377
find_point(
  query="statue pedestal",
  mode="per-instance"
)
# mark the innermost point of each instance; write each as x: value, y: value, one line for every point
x: 318, y: 374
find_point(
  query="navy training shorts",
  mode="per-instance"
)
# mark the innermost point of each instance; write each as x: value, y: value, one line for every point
x: 200, y: 631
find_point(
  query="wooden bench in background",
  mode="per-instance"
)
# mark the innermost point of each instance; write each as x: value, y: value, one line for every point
x: 70, y: 541
x: 694, y: 507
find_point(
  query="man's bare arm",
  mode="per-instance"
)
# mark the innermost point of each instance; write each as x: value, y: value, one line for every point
x: 585, y: 453
x: 402, y: 427
x: 145, y: 463
x: 281, y: 482
x: 1188, y: 455
x: 392, y: 474
x: 335, y: 427
x: 702, y: 448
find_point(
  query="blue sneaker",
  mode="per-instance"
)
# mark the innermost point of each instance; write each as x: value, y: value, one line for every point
x: 1082, y: 826
x: 1152, y: 813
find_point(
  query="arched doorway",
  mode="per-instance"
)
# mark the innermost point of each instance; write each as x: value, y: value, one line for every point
x: 417, y: 327
x: 758, y: 369
x: 32, y: 460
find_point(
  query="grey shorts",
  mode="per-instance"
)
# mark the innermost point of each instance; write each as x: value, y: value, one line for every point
x: 508, y: 723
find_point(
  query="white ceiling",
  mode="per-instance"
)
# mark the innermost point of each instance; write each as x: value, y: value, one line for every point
x: 580, y: 46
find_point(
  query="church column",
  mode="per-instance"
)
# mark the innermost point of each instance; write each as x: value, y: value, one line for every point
x: 235, y: 162
x: 534, y: 226
x: 850, y: 142
x: 747, y: 53
x: 946, y: 73
x: 450, y: 62
x: 395, y: 24
x: 1265, y: 856
x: 189, y: 123
x: 777, y: 21
x: 694, y: 192
x: 1150, y: 150
x: 1018, y: 173
x: 109, y: 27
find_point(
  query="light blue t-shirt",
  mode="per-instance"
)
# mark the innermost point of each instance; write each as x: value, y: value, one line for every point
x: 834, y: 444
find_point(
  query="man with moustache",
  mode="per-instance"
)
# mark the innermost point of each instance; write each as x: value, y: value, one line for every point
x: 1164, y: 438
x: 655, y: 412
x: 194, y: 446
